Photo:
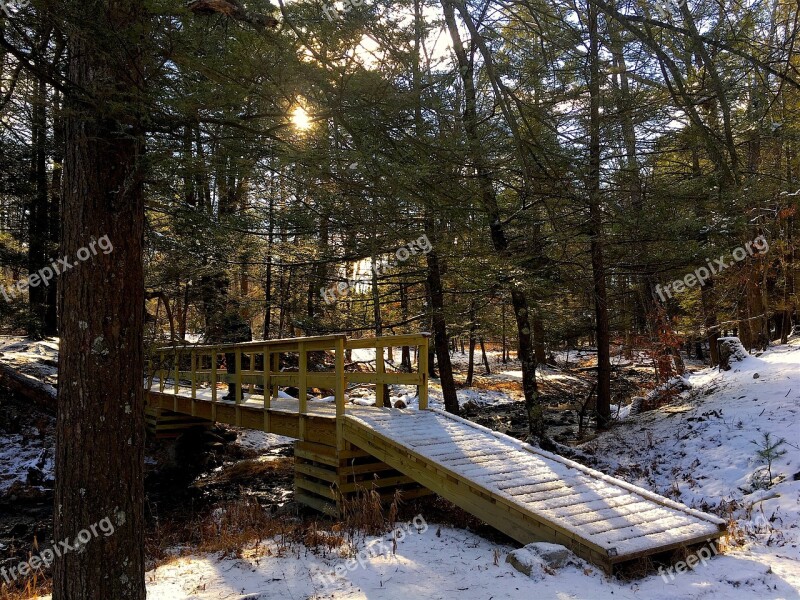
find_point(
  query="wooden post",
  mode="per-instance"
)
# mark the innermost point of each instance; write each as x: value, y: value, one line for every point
x: 341, y: 385
x: 213, y: 384
x: 177, y: 380
x: 177, y: 366
x: 267, y: 362
x: 161, y: 375
x: 193, y: 369
x: 251, y: 388
x: 380, y: 369
x: 194, y: 377
x: 422, y: 367
x: 302, y: 390
x: 340, y: 377
x: 276, y: 368
x: 238, y: 382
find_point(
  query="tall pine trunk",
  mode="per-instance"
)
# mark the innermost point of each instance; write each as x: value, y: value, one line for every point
x: 100, y: 430
x: 440, y: 331
x: 596, y: 231
x: 38, y: 224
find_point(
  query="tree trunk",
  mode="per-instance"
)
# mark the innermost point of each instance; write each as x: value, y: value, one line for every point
x: 405, y: 353
x: 268, y: 281
x: 488, y: 198
x: 38, y: 225
x: 440, y: 341
x: 505, y: 348
x: 596, y: 231
x: 485, y: 359
x: 54, y: 214
x: 100, y: 430
x: 472, y: 328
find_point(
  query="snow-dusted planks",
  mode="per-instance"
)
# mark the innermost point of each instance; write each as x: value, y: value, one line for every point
x: 528, y: 493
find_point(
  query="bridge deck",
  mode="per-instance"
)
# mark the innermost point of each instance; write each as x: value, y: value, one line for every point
x: 518, y: 483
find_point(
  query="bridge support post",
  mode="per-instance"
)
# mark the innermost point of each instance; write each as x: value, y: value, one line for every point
x: 422, y: 367
x: 341, y: 386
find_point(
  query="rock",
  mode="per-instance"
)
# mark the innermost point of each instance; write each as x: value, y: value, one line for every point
x: 756, y: 375
x: 470, y: 405
x: 400, y: 404
x: 527, y: 563
x: 554, y: 556
x: 538, y: 558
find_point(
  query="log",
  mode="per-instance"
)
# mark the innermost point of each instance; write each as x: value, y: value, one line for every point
x: 43, y: 394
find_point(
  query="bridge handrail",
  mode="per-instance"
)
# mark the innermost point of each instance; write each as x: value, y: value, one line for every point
x: 270, y: 376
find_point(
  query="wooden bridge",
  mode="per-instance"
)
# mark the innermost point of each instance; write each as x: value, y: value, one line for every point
x: 342, y: 448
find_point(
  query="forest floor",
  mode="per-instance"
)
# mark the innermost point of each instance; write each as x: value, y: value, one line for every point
x: 223, y: 524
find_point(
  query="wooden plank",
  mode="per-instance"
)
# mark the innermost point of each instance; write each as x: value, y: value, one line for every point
x: 338, y: 456
x: 272, y: 345
x: 387, y: 340
x: 388, y: 378
x: 376, y: 467
x: 330, y: 476
x: 317, y: 488
x: 369, y: 484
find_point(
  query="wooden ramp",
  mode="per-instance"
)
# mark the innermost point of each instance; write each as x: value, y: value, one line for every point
x: 529, y: 494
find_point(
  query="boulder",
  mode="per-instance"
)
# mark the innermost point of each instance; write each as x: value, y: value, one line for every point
x: 554, y: 556
x: 527, y: 563
x: 539, y: 558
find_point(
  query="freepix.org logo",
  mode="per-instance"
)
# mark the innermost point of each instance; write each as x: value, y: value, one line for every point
x: 10, y: 7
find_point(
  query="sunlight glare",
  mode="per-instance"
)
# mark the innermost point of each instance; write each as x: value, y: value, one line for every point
x: 301, y: 119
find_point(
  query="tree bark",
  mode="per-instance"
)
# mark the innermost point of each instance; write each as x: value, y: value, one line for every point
x: 596, y: 231
x: 100, y: 430
x: 38, y: 224
x: 54, y: 214
x: 440, y: 331
x: 473, y: 326
x: 485, y: 359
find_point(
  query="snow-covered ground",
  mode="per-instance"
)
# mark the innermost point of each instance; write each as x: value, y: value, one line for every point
x: 26, y: 455
x: 25, y: 459
x: 36, y: 358
x: 699, y: 449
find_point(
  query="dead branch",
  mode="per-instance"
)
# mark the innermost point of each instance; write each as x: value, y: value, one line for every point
x: 233, y: 10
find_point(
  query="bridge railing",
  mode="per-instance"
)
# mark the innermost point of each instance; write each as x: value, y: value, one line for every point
x: 258, y: 364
